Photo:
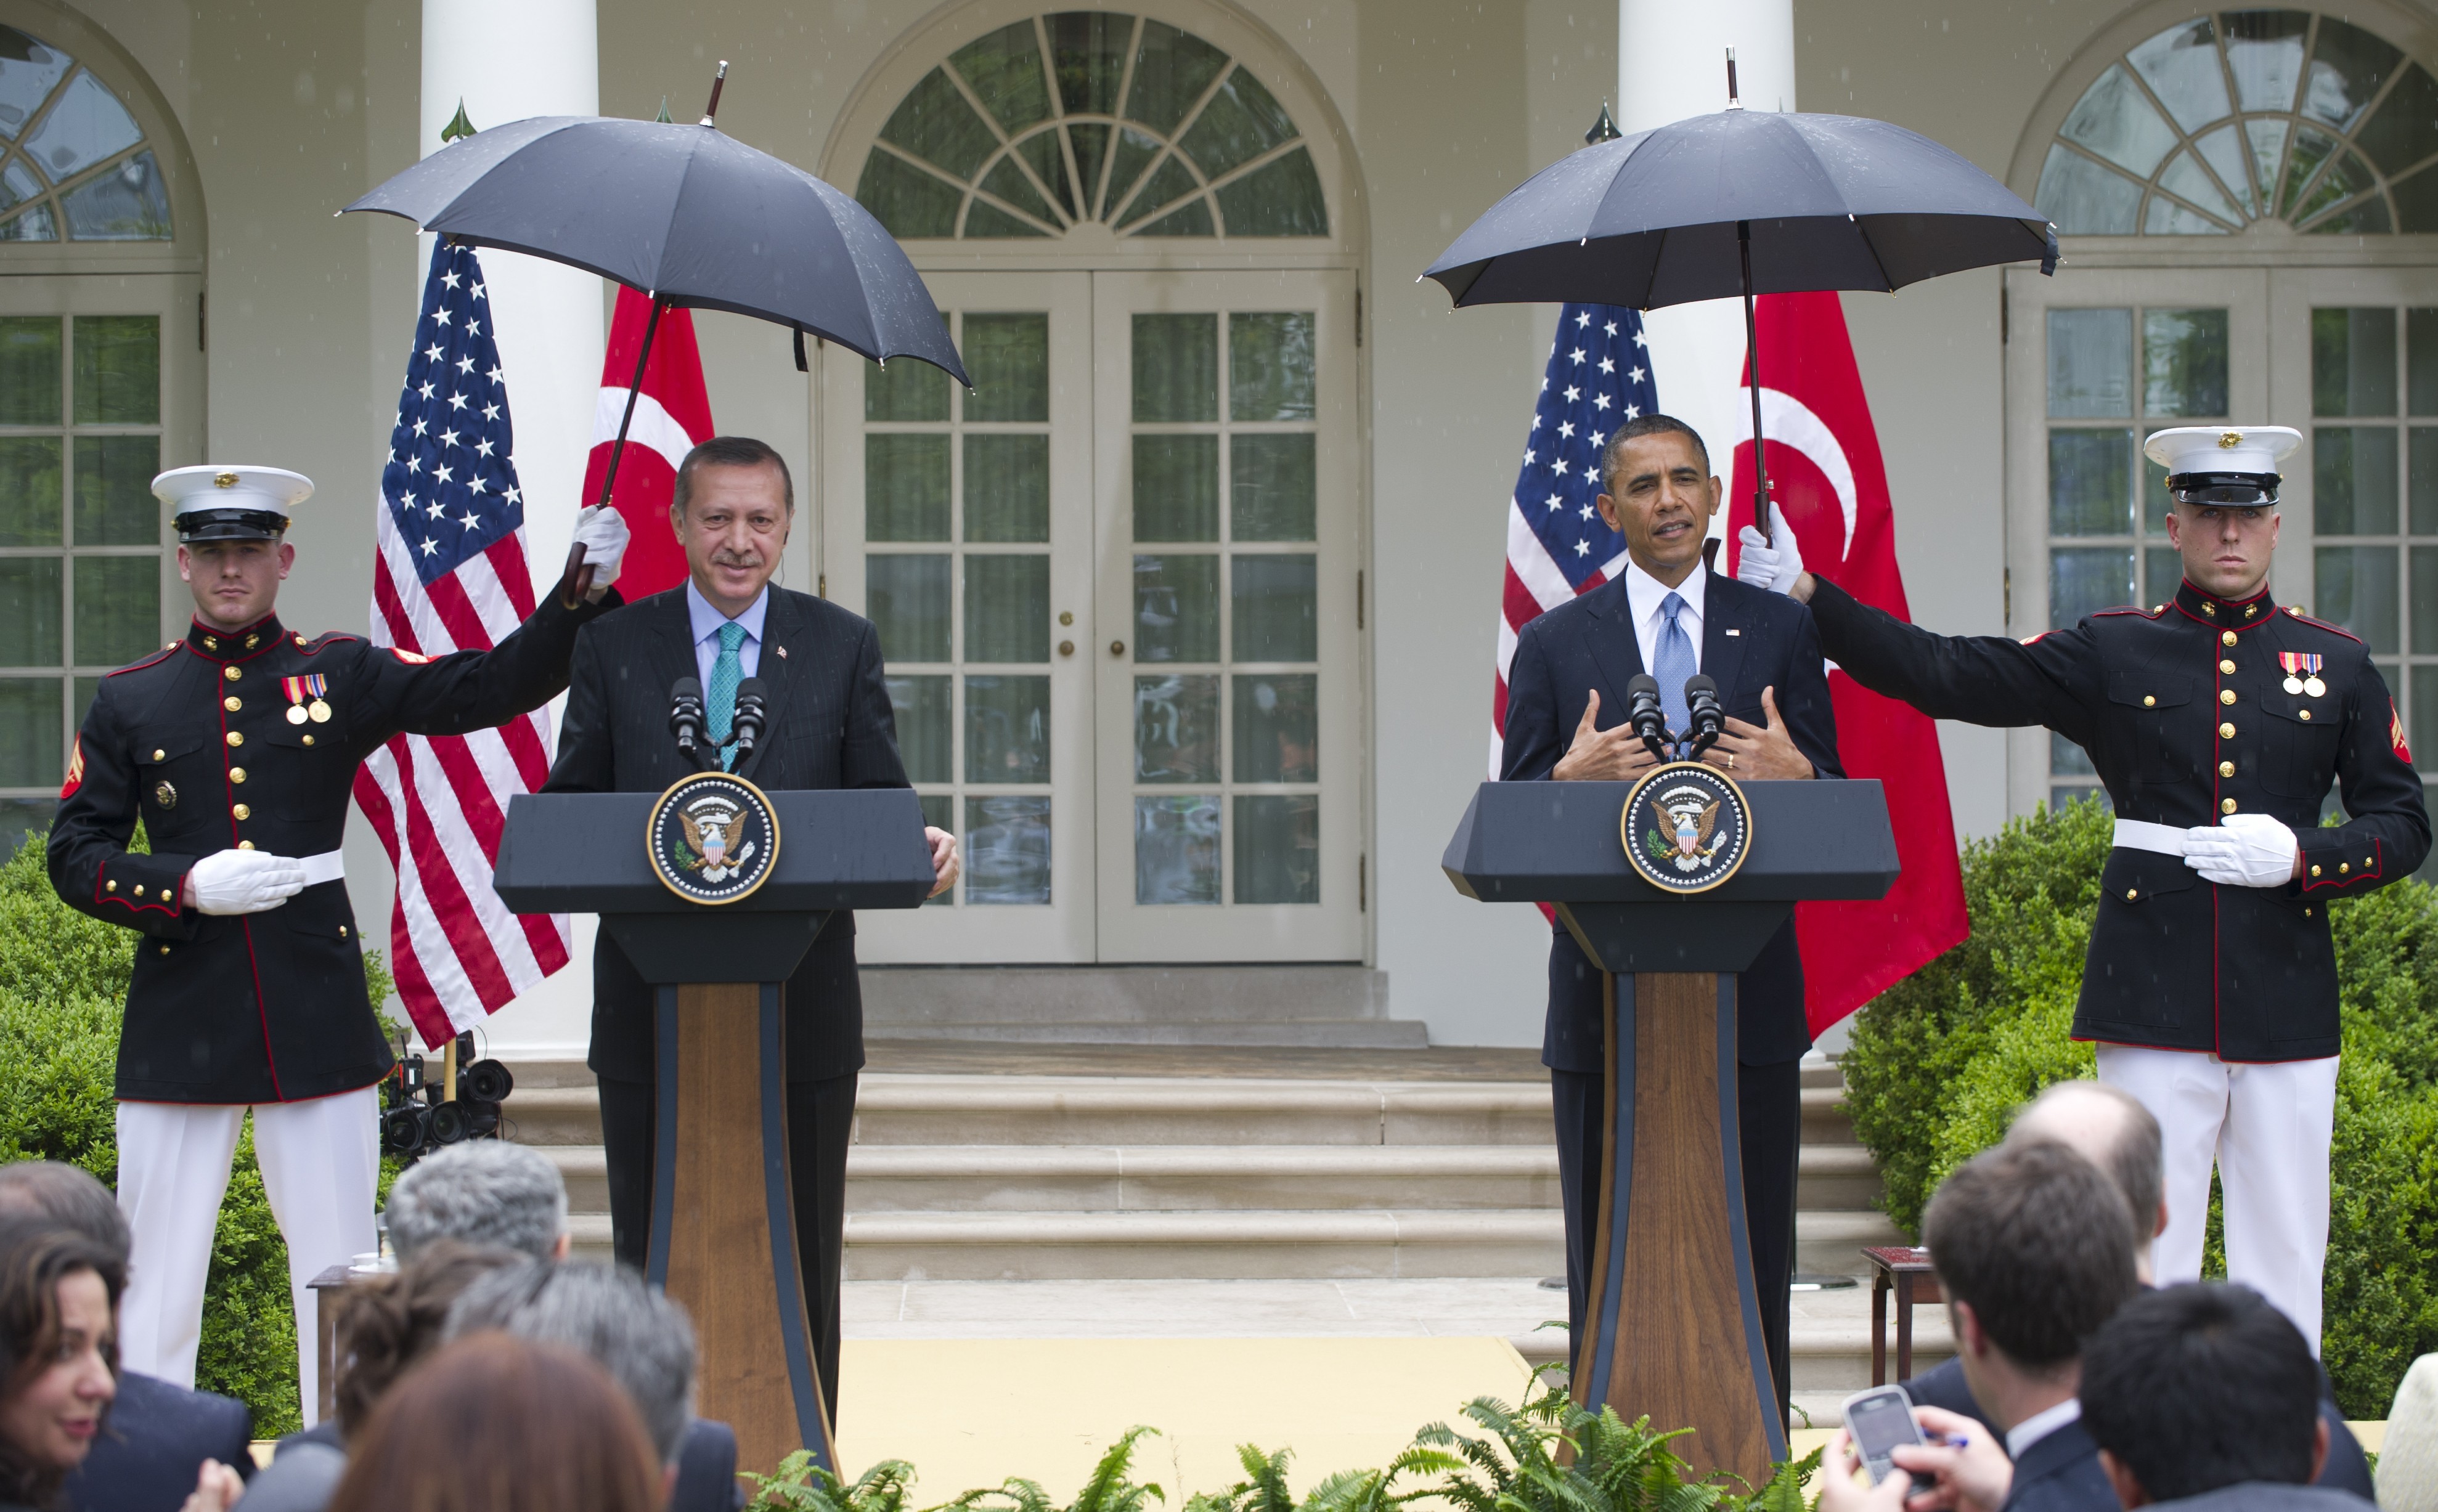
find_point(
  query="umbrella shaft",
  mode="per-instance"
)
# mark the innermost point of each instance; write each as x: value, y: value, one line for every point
x: 1752, y: 355
x: 618, y: 447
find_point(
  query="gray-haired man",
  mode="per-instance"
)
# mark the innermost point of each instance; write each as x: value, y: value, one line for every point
x: 484, y: 1192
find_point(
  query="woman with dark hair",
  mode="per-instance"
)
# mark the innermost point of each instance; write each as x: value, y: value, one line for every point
x: 528, y: 1428
x: 59, y: 1355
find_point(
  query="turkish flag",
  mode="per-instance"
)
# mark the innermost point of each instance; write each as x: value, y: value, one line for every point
x: 1826, y: 475
x: 672, y: 416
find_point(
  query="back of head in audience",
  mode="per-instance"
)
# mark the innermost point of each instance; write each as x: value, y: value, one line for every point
x: 2197, y: 1387
x: 639, y: 1334
x: 497, y: 1424
x: 59, y: 1352
x: 2108, y: 1126
x: 390, y: 1321
x: 67, y: 1198
x: 483, y: 1191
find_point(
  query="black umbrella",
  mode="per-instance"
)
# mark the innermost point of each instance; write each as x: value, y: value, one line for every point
x: 687, y: 216
x: 1743, y: 201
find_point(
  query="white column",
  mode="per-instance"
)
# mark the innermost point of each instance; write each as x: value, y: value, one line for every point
x: 506, y: 63
x: 1671, y: 63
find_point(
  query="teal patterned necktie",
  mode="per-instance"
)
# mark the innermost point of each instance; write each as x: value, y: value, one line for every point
x: 726, y: 672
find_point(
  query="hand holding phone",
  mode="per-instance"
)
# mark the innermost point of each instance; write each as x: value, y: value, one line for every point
x: 1880, y: 1421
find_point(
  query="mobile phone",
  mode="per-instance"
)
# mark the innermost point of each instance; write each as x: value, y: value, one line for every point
x: 1880, y: 1421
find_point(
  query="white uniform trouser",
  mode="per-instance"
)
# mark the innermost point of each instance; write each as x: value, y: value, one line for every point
x: 2266, y: 1127
x: 321, y: 1161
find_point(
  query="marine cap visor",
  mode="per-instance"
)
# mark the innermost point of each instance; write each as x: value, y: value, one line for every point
x: 2225, y: 490
x: 230, y: 523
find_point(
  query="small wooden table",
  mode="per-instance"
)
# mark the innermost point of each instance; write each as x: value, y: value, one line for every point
x: 1907, y: 1271
x: 326, y: 1287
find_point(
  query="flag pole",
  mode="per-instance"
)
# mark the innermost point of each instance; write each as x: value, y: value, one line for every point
x: 578, y: 580
x: 1751, y: 344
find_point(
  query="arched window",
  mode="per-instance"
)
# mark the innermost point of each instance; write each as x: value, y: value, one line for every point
x: 2250, y: 116
x: 1092, y: 116
x: 76, y: 166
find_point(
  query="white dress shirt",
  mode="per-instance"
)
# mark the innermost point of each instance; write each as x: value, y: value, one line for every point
x: 705, y: 622
x: 1646, y: 594
x: 2041, y: 1425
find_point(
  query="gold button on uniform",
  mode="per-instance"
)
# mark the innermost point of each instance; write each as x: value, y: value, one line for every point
x: 2149, y: 700
x: 243, y: 811
x: 232, y: 673
x: 245, y: 845
x: 165, y: 950
x: 139, y: 889
x: 2226, y: 731
x: 2227, y: 807
x: 110, y: 886
x: 2225, y: 666
x: 2227, y: 636
x: 2305, y: 716
x: 237, y: 774
x: 2226, y: 695
x: 2131, y: 893
x: 159, y: 754
x: 2315, y: 872
x: 232, y: 705
x: 237, y: 737
x: 2343, y: 866
x: 308, y: 740
x: 2226, y: 768
x: 342, y: 931
x: 2307, y: 913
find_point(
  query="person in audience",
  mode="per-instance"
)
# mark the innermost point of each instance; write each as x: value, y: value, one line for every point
x: 641, y: 1336
x: 485, y: 1192
x: 2205, y: 1398
x: 58, y: 1355
x: 159, y: 1434
x: 2408, y: 1462
x: 492, y: 1423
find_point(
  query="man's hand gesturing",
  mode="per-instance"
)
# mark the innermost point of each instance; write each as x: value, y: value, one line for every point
x: 1759, y: 752
x: 1616, y: 755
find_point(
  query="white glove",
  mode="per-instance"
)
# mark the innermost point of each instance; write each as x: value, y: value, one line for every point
x: 228, y: 881
x: 603, y: 535
x: 2247, y: 851
x: 1764, y: 565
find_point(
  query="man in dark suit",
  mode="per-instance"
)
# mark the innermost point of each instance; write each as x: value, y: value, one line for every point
x: 1669, y: 615
x: 827, y: 725
x: 159, y: 1434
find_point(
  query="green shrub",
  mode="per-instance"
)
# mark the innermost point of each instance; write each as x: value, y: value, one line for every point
x: 1940, y: 1061
x: 63, y: 984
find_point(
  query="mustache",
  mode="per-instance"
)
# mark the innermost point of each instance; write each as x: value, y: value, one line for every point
x: 724, y: 558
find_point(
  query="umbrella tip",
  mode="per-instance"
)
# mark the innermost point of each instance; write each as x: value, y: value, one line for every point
x: 1603, y: 129
x: 1733, y: 103
x: 718, y: 82
x: 458, y: 125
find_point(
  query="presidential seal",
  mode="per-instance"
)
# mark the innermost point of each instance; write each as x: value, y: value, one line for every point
x: 1686, y: 827
x: 711, y: 837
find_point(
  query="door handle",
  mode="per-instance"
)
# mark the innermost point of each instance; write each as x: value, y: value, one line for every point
x: 1065, y: 648
x: 1117, y: 648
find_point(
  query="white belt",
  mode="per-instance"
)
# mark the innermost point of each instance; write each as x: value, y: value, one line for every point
x: 2140, y: 835
x: 331, y: 865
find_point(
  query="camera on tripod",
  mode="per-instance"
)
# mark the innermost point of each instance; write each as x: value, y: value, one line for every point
x: 419, y: 1116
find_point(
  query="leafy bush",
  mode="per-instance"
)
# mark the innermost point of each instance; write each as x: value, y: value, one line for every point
x: 1940, y: 1061
x: 62, y: 983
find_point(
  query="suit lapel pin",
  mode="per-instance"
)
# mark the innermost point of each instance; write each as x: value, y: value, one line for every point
x: 781, y: 650
x: 1735, y: 632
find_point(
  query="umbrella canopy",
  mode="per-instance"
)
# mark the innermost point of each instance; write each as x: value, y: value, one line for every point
x: 1826, y: 201
x: 687, y: 214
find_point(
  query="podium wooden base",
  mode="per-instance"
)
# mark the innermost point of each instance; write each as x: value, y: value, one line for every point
x: 724, y: 1221
x: 1672, y: 1326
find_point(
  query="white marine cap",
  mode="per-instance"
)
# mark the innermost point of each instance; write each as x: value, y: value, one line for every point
x: 2222, y: 465
x: 231, y: 502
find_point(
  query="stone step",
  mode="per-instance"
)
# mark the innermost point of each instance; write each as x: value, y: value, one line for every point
x: 590, y: 1235
x: 1836, y: 1176
x: 971, y: 1002
x: 1341, y: 1034
x: 1823, y: 1116
x: 1186, y: 1178
x: 551, y: 1116
x: 1830, y: 1242
x: 933, y: 1110
x: 585, y: 1168
x: 1226, y: 1247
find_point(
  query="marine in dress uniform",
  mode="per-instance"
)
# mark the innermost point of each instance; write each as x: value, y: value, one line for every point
x: 2218, y: 722
x: 237, y: 747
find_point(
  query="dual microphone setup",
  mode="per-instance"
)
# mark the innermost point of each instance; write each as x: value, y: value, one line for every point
x: 687, y: 721
x: 1643, y: 713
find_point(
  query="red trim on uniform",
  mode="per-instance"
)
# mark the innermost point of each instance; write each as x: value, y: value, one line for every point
x: 2134, y: 609
x: 323, y: 641
x: 261, y: 1009
x: 2333, y: 629
x: 171, y: 649
x: 2369, y: 872
x: 101, y: 897
x: 269, y: 645
x: 2213, y: 626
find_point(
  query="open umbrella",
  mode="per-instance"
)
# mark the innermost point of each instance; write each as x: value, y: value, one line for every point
x: 1742, y: 202
x: 687, y: 216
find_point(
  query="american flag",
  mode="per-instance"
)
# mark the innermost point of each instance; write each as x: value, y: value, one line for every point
x: 451, y: 577
x: 1598, y: 378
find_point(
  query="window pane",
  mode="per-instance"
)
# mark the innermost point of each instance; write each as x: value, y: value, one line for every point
x: 2421, y: 361
x: 1242, y: 121
x: 2356, y: 586
x: 2091, y: 363
x: 913, y: 203
x: 29, y: 613
x: 2353, y: 480
x: 29, y: 370
x: 1270, y: 365
x: 126, y: 203
x: 1007, y: 850
x: 1278, y: 849
x: 2425, y: 481
x: 1169, y: 184
x: 1177, y: 608
x: 1281, y: 198
x: 1271, y: 486
x: 905, y: 487
x: 1008, y: 182
x: 1194, y: 220
x: 2353, y: 362
x: 117, y: 610
x: 1088, y: 51
x: 29, y: 71
x: 1004, y: 69
x: 2180, y: 66
x: 21, y: 816
x: 1007, y: 728
x: 2086, y: 198
x: 2347, y: 66
x: 1176, y: 850
x: 1176, y: 729
x: 2114, y: 121
x: 31, y: 732
x: 2066, y: 759
x: 1273, y: 599
x: 2164, y: 569
x: 1007, y: 487
x: 1007, y: 608
x: 2086, y: 579
x: 934, y: 123
x: 87, y: 125
x: 2184, y: 361
x: 114, y: 491
x: 1172, y: 69
x: 2404, y: 130
x: 2425, y: 717
x: 905, y: 390
x: 2185, y: 177
x: 1176, y: 488
x: 1049, y: 163
x: 1008, y: 359
x: 2061, y: 797
x: 1277, y: 727
x: 29, y: 491
x: 986, y: 219
x: 920, y: 706
x: 908, y: 600
x: 118, y: 369
x: 29, y: 225
x: 2091, y: 483
x: 1177, y: 368
x: 2264, y: 51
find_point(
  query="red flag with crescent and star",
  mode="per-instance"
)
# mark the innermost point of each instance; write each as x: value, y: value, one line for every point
x: 1826, y: 474
x: 672, y: 416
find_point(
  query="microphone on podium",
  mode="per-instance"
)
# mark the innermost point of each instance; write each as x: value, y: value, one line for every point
x: 1643, y: 713
x: 685, y: 716
x: 751, y: 711
x: 1701, y: 703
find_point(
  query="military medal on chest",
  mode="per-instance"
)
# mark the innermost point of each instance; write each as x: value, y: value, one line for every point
x: 301, y: 689
x: 2303, y: 672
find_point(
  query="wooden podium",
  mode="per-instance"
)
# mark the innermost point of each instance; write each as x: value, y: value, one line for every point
x: 1673, y: 1329
x: 723, y: 1208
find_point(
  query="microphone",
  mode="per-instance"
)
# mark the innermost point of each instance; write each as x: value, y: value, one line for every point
x: 685, y: 716
x: 1644, y: 714
x: 1701, y: 703
x: 750, y: 713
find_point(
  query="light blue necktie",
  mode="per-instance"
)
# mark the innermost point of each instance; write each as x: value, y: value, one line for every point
x: 1672, y: 665
x: 727, y: 671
